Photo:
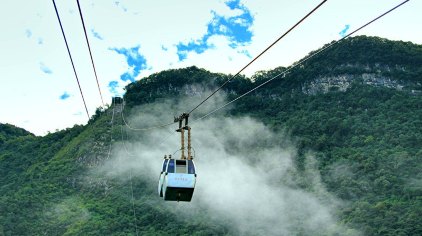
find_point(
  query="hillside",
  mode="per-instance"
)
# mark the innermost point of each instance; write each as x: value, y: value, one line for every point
x: 8, y: 131
x: 332, y: 148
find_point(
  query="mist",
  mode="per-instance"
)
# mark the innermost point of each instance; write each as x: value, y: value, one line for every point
x: 247, y: 177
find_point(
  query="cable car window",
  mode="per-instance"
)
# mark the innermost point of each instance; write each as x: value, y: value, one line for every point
x: 191, y: 167
x: 180, y: 166
x: 164, y: 165
x: 170, y: 167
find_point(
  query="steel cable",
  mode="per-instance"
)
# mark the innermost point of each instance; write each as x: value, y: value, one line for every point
x: 259, y: 55
x: 71, y: 60
x: 300, y: 62
x: 90, y: 54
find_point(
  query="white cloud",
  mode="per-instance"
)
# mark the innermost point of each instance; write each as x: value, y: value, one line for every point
x: 246, y: 176
x: 45, y: 69
x: 28, y: 33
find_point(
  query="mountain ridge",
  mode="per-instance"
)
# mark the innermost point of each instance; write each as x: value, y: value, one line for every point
x: 365, y: 139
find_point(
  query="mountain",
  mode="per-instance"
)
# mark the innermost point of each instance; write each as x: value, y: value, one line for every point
x: 334, y: 147
x: 8, y: 131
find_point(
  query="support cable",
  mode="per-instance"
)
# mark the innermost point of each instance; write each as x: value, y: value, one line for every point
x: 231, y: 78
x: 131, y: 184
x: 130, y: 180
x: 111, y: 133
x: 90, y: 54
x: 130, y: 172
x: 253, y: 60
x: 71, y: 60
x: 131, y: 154
x: 133, y: 203
x: 300, y: 62
x: 275, y: 77
x: 142, y: 129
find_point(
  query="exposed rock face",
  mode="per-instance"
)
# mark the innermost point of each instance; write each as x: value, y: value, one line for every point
x: 343, y: 82
x: 100, y: 150
x: 191, y: 90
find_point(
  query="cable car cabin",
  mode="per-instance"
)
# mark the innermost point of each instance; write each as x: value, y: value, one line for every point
x: 177, y: 180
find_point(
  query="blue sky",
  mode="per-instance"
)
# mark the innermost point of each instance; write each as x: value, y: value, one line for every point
x: 135, y: 61
x: 96, y: 34
x: 344, y: 31
x: 45, y: 68
x: 64, y: 96
x: 132, y: 39
x: 112, y: 86
x: 235, y: 28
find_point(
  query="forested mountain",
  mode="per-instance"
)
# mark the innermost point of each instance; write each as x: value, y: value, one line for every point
x: 8, y: 132
x: 334, y: 148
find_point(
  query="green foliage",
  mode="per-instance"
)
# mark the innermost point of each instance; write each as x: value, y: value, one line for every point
x: 363, y: 54
x: 8, y: 132
x: 367, y: 141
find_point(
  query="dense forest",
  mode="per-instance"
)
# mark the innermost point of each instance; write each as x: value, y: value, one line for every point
x: 356, y: 109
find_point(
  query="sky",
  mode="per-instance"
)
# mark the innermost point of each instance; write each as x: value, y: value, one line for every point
x: 131, y: 39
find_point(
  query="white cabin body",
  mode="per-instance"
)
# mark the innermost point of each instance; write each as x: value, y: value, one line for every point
x: 177, y: 180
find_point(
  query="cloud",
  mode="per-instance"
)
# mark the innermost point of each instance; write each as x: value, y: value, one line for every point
x: 245, y: 52
x: 79, y: 113
x: 28, y: 33
x: 344, y: 31
x: 235, y: 28
x: 64, y: 96
x: 113, y: 87
x: 247, y: 178
x: 135, y: 61
x: 45, y: 69
x: 96, y: 34
x: 120, y: 5
x: 65, y: 214
x: 199, y: 47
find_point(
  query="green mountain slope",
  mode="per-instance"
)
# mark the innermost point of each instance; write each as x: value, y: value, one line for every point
x: 356, y: 108
x: 8, y: 131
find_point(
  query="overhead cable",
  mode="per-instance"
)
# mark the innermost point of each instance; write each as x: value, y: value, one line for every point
x: 231, y: 78
x: 300, y: 62
x: 130, y: 180
x: 71, y: 60
x: 90, y: 53
x: 133, y: 203
x: 111, y: 130
x: 253, y: 60
x: 145, y: 128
